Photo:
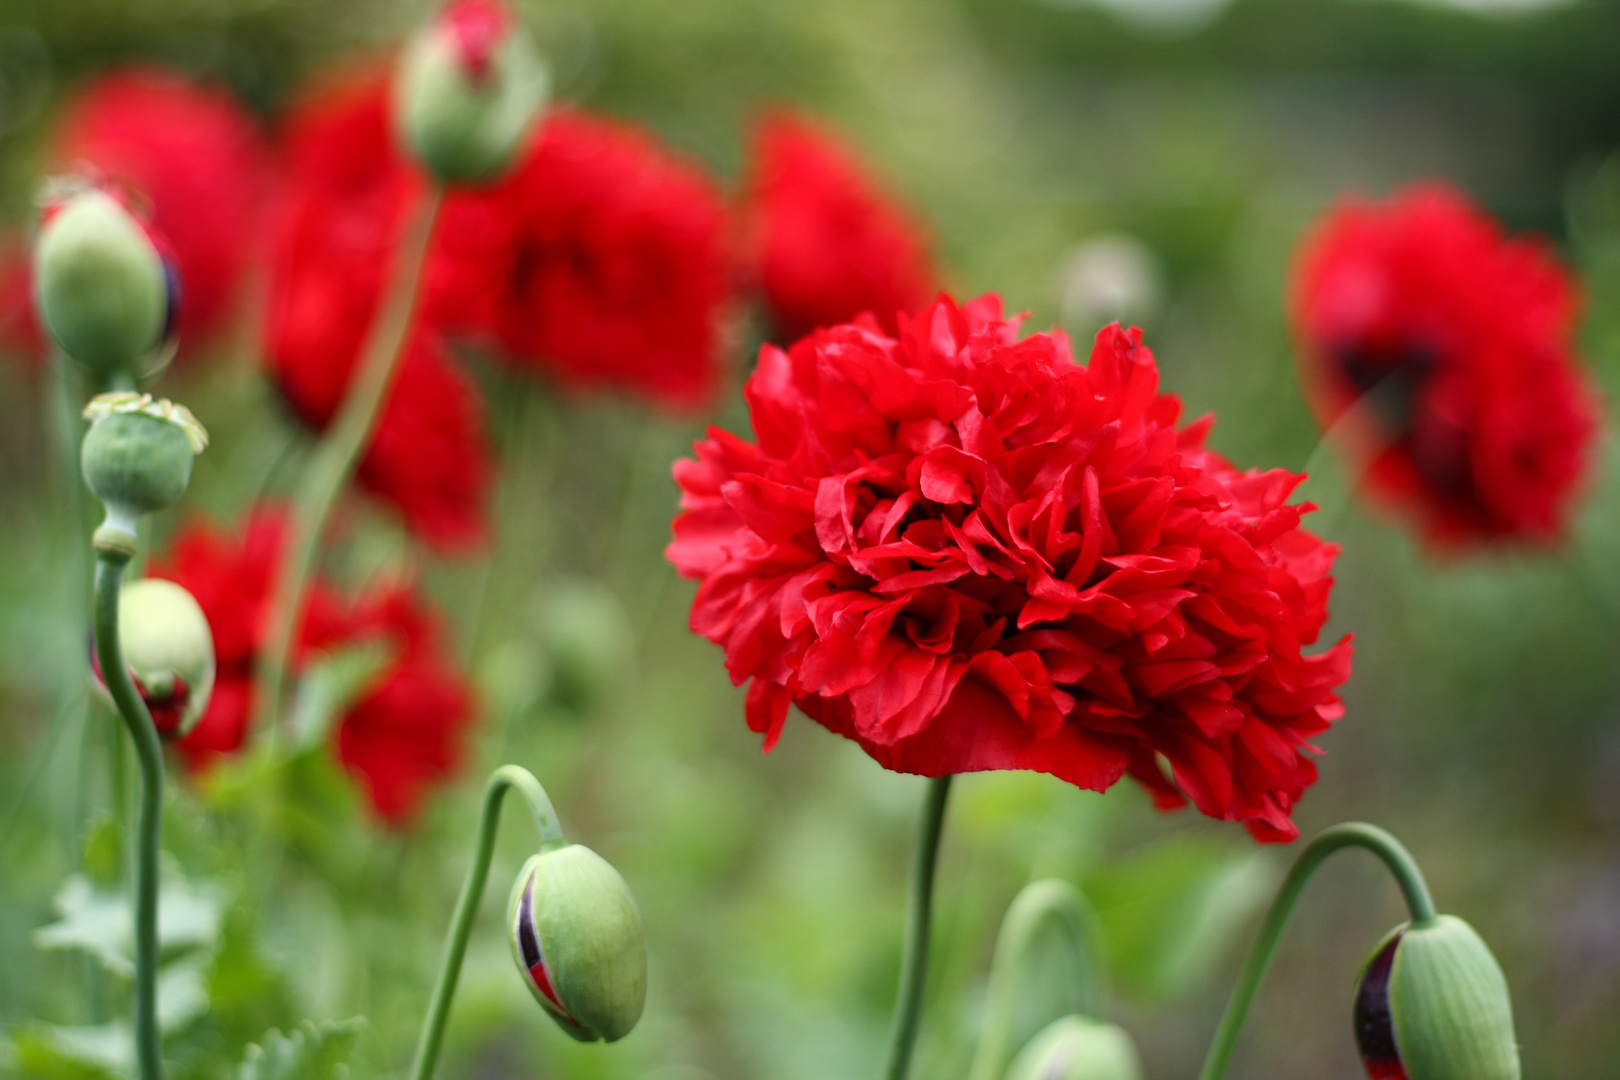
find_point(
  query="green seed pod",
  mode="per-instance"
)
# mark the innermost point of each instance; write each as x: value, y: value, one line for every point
x: 576, y: 933
x: 137, y: 458
x: 469, y: 86
x: 1432, y: 1004
x: 1077, y: 1048
x: 102, y: 288
x: 169, y: 649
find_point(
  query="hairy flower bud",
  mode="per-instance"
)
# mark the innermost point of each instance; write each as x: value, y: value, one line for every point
x: 1432, y: 1004
x: 576, y: 933
x: 470, y: 84
x: 103, y: 290
x: 1077, y: 1048
x: 169, y: 650
x: 137, y: 458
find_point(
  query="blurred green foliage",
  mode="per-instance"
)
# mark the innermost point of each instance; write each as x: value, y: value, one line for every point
x: 1482, y: 723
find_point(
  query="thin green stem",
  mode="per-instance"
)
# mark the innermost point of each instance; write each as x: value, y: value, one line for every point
x: 1354, y: 834
x: 1041, y: 905
x: 109, y: 578
x: 505, y: 778
x: 919, y: 916
x: 333, y: 462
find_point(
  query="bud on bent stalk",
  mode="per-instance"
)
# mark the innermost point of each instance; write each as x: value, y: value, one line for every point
x: 1078, y: 1048
x: 103, y: 289
x: 1432, y: 1004
x: 470, y: 84
x: 169, y: 651
x: 137, y: 459
x: 576, y: 933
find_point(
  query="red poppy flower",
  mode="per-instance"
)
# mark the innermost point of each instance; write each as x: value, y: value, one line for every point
x: 599, y: 261
x: 338, y: 221
x: 1462, y: 342
x: 823, y: 242
x: 967, y: 552
x: 199, y: 161
x: 19, y: 328
x: 402, y: 737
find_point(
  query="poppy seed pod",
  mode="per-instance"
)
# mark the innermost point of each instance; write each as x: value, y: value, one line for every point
x: 137, y: 458
x: 469, y: 86
x: 1432, y: 1004
x: 576, y: 933
x: 103, y: 289
x: 1078, y: 1048
x: 169, y: 650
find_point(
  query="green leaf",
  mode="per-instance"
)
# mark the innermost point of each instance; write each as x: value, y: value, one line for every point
x: 100, y: 921
x: 332, y: 683
x: 311, y: 1052
x: 104, y: 851
x: 46, y: 1052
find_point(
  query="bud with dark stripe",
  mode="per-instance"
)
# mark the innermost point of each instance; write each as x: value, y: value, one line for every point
x: 1432, y: 1004
x: 576, y: 933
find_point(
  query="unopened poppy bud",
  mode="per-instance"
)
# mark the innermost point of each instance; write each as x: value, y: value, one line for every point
x: 1432, y: 1004
x: 169, y: 650
x: 470, y: 84
x: 103, y: 289
x: 1078, y: 1048
x: 576, y: 933
x: 137, y: 459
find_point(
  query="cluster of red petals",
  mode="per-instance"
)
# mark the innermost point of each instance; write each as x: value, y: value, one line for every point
x: 967, y: 552
x: 599, y: 260
x: 397, y: 741
x: 1463, y: 340
x: 822, y: 242
x: 337, y: 221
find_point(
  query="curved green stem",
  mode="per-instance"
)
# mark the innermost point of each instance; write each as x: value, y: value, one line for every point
x: 919, y: 916
x: 109, y: 577
x: 1354, y: 834
x: 335, y: 458
x: 1041, y: 904
x: 503, y: 779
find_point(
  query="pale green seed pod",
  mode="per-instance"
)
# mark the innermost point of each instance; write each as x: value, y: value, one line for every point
x: 576, y: 933
x: 137, y: 459
x: 1432, y: 1004
x: 1078, y: 1048
x: 169, y: 650
x: 101, y: 287
x: 469, y: 86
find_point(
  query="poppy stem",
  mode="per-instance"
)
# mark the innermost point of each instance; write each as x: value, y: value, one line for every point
x: 333, y: 462
x: 502, y: 780
x: 1354, y: 834
x: 1041, y: 904
x: 109, y: 578
x: 919, y: 915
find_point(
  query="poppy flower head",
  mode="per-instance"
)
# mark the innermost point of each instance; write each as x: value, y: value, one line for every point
x: 823, y: 242
x: 966, y: 552
x: 1460, y: 342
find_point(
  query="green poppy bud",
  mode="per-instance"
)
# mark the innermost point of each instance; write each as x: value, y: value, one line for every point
x: 576, y: 933
x: 169, y: 650
x: 103, y: 290
x: 1078, y: 1048
x: 137, y: 459
x: 1432, y: 1004
x: 470, y: 84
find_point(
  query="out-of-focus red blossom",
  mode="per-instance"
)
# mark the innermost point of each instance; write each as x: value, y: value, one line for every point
x: 967, y: 552
x: 599, y: 260
x: 821, y: 240
x: 344, y: 202
x: 402, y: 737
x: 19, y: 329
x: 198, y: 160
x: 1481, y: 422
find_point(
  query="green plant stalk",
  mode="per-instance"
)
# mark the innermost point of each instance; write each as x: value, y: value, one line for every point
x: 109, y: 577
x: 503, y: 779
x: 1354, y: 834
x: 333, y: 463
x: 1040, y: 904
x: 919, y: 916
